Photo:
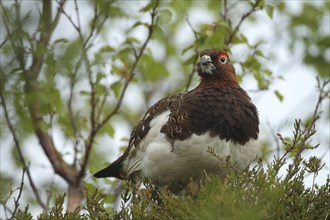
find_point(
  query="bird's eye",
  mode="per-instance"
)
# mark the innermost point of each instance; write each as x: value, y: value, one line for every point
x: 223, y: 60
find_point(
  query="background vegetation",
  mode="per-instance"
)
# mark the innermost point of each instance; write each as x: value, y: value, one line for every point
x: 77, y: 75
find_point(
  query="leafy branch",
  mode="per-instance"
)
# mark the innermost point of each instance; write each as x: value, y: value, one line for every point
x: 46, y: 29
x: 20, y: 153
x: 129, y: 78
x: 255, y: 6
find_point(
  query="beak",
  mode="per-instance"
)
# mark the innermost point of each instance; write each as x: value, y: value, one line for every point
x: 205, y: 60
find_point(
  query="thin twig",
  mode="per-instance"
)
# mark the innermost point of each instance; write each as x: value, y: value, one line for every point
x: 16, y: 201
x: 89, y: 143
x: 275, y: 138
x: 195, y: 57
x: 131, y: 72
x: 321, y: 97
x: 46, y: 29
x: 95, y: 28
x: 20, y: 153
x: 87, y: 63
x: 71, y: 113
x: 303, y: 136
x: 192, y: 28
x: 225, y: 10
x: 192, y: 72
x: 19, y: 54
x: 102, y: 104
x: 233, y: 33
x: 4, y: 42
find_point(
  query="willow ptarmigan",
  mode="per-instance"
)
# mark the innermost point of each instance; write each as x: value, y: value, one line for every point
x: 170, y: 145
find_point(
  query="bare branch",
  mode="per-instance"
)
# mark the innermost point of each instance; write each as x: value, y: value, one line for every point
x: 191, y: 28
x: 323, y: 93
x: 275, y: 138
x: 225, y: 10
x: 16, y: 201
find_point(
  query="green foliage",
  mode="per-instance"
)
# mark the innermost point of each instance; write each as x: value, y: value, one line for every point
x: 94, y: 209
x: 151, y: 69
x: 24, y: 214
x: 258, y: 193
x: 307, y: 30
x: 56, y: 212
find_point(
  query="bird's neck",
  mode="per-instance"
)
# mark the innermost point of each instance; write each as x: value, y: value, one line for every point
x: 218, y: 82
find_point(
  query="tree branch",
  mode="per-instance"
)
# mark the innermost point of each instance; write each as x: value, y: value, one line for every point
x: 154, y: 20
x: 86, y: 60
x: 71, y: 113
x: 20, y: 153
x: 16, y: 201
x: 195, y: 57
x: 131, y: 72
x: 47, y: 27
x: 233, y: 33
x: 323, y: 93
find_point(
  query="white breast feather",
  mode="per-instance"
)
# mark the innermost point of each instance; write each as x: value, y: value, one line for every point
x: 153, y: 157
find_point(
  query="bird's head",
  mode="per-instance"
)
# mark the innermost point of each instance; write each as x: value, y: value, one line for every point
x: 215, y: 64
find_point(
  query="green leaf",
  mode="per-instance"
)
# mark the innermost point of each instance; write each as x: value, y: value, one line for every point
x: 109, y: 130
x: 166, y: 16
x: 107, y: 49
x: 61, y: 40
x: 260, y: 53
x: 267, y: 72
x: 84, y: 92
x: 132, y: 40
x: 148, y: 7
x: 261, y: 4
x: 100, y: 89
x: 151, y: 68
x: 116, y: 88
x: 99, y: 76
x: 139, y: 23
x: 279, y: 95
x: 270, y: 10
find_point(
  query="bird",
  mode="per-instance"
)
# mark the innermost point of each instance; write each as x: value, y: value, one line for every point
x: 171, y: 144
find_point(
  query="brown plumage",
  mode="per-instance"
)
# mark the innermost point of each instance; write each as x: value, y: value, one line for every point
x: 218, y: 109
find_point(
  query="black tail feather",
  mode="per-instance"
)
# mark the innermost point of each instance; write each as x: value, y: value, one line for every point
x: 113, y: 170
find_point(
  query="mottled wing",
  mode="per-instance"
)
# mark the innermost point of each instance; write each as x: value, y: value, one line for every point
x: 139, y: 132
x: 171, y: 103
x: 178, y: 125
